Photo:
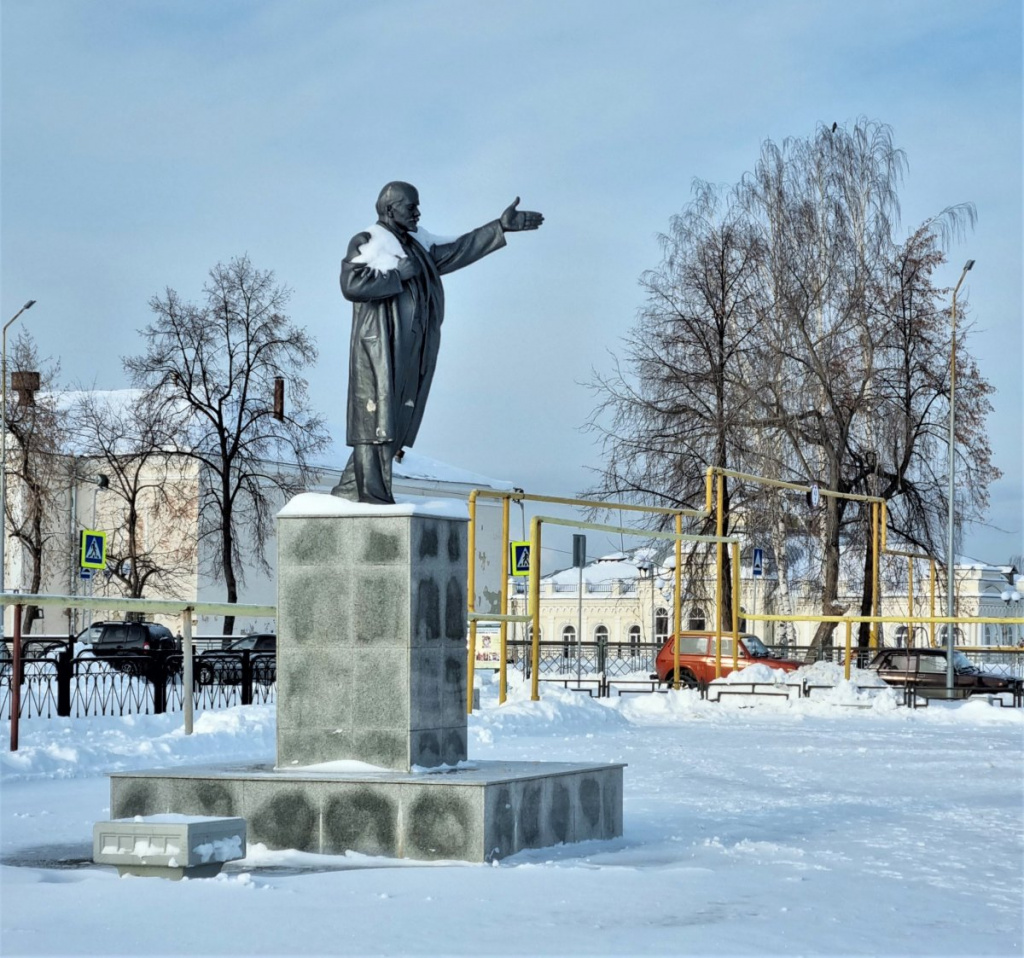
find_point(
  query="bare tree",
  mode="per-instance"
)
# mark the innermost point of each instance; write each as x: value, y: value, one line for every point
x: 681, y: 403
x: 787, y: 333
x: 38, y: 437
x: 152, y: 495
x: 220, y: 360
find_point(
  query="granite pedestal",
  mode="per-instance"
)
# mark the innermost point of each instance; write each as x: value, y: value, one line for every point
x: 371, y: 708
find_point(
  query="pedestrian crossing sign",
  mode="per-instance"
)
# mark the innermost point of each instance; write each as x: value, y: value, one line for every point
x: 93, y: 549
x: 520, y: 557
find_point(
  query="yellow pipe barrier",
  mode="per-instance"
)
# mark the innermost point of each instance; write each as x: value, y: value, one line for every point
x: 897, y: 619
x: 735, y: 605
x: 931, y: 603
x: 910, y: 601
x: 875, y: 543
x: 796, y: 486
x: 911, y: 556
x: 519, y: 496
x: 503, y: 605
x: 471, y: 602
x: 678, y: 605
x: 720, y: 472
x: 534, y: 594
x: 719, y: 530
x: 534, y: 588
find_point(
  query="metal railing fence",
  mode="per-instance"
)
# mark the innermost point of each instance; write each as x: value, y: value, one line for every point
x: 621, y: 659
x: 56, y: 684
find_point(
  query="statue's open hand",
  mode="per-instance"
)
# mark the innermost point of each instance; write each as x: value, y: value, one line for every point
x: 513, y: 220
x: 407, y: 268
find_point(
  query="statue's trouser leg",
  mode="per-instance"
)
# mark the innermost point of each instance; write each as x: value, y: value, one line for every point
x: 367, y: 477
x: 346, y: 487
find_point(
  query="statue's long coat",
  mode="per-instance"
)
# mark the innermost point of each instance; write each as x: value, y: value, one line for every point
x: 389, y: 375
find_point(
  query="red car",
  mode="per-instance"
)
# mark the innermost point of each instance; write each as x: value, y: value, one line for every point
x: 697, y: 658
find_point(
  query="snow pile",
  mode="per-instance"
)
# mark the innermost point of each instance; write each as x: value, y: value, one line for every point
x: 829, y: 673
x: 74, y: 748
x: 559, y: 711
x: 759, y: 673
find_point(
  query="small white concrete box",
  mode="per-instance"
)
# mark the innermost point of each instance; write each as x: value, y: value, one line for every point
x: 169, y: 846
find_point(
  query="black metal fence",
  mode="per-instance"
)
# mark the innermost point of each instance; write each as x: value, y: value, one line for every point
x: 56, y: 683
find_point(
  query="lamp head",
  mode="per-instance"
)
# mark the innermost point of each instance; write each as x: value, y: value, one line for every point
x: 29, y: 304
x: 968, y: 265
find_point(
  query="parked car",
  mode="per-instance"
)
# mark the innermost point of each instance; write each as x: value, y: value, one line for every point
x: 925, y: 669
x: 125, y: 645
x: 225, y: 665
x: 697, y: 658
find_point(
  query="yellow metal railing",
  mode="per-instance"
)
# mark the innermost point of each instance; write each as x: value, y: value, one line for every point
x: 503, y: 618
x: 910, y: 557
x: 536, y: 524
x: 877, y: 505
x: 714, y: 503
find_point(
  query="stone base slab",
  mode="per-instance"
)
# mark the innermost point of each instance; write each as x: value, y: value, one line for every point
x: 479, y: 811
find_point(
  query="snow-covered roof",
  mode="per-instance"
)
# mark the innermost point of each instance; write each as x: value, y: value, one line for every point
x: 609, y: 568
x: 422, y: 468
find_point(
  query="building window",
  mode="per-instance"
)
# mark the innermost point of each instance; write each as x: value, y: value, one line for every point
x: 601, y: 634
x: 696, y: 622
x: 661, y: 625
x: 634, y: 640
x: 568, y: 638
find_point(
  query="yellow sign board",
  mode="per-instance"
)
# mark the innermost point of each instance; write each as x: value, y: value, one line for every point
x: 519, y: 558
x: 93, y: 549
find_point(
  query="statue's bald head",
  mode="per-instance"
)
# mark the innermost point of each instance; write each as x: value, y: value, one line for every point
x: 394, y: 191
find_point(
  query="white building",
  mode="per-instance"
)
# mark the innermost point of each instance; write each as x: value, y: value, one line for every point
x: 627, y: 599
x: 82, y: 501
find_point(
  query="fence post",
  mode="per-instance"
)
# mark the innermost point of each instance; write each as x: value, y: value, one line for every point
x: 156, y: 675
x: 65, y: 673
x: 187, y: 665
x: 246, y: 677
x: 16, y: 679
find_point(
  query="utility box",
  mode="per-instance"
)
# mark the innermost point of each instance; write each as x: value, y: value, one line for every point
x: 169, y: 846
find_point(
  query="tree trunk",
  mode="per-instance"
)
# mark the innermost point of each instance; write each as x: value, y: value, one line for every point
x: 230, y: 582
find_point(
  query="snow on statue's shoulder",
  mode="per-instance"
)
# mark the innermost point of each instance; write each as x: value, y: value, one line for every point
x: 381, y: 252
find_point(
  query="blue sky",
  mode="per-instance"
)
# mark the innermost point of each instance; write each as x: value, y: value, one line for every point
x: 144, y: 141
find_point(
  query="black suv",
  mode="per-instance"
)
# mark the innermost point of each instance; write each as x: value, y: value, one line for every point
x: 126, y: 644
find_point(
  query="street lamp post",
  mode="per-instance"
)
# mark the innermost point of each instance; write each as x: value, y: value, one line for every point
x: 3, y: 454
x: 951, y: 538
x: 1011, y: 597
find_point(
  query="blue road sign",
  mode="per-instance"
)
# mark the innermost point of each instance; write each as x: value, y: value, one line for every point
x: 93, y: 549
x: 758, y: 567
x: 520, y: 557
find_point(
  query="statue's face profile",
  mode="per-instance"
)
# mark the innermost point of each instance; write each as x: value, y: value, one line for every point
x: 405, y: 210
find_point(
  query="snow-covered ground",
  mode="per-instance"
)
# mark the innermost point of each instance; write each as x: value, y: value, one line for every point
x: 833, y: 825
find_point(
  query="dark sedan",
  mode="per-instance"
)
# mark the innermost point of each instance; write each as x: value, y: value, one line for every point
x: 925, y: 670
x: 225, y: 666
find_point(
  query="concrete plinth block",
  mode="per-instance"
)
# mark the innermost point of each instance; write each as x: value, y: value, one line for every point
x: 480, y: 811
x: 371, y: 660
x: 169, y: 846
